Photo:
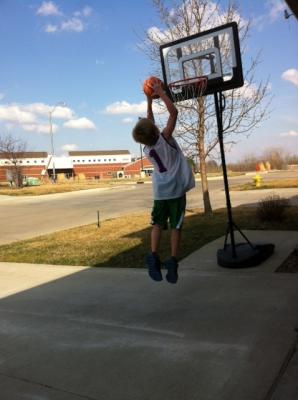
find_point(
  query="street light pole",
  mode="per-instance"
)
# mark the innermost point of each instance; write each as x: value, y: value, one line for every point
x: 62, y: 104
x: 142, y: 166
x: 52, y: 144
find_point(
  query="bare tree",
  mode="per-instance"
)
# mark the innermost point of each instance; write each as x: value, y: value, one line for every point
x: 276, y: 156
x: 245, y: 108
x: 248, y: 162
x: 12, y: 150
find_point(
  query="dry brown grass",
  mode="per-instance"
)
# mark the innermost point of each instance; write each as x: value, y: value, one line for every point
x: 62, y: 187
x: 268, y: 184
x: 123, y: 242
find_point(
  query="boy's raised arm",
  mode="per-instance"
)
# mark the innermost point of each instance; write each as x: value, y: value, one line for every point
x: 150, y: 114
x: 168, y: 130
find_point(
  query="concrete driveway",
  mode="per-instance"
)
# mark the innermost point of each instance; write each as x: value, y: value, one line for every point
x: 70, y: 333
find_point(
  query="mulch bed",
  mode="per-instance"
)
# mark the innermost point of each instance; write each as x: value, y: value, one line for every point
x: 290, y: 264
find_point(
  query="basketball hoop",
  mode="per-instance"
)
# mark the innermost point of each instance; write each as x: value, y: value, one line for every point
x: 185, y: 89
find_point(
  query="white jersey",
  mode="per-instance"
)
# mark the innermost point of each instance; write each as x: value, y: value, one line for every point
x: 172, y: 176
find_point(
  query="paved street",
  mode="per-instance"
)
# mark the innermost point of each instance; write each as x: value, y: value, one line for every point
x: 25, y: 217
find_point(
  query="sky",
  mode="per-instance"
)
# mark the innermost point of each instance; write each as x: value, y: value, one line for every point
x: 81, y: 61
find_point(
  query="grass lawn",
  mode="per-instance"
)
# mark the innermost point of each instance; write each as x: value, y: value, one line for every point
x: 268, y: 184
x: 71, y: 186
x: 50, y: 188
x: 123, y: 242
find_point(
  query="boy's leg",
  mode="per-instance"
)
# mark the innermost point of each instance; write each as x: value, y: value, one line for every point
x: 177, y: 211
x: 172, y: 264
x: 175, y: 242
x: 155, y: 238
x: 152, y: 260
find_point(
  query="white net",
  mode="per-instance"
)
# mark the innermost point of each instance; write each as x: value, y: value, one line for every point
x: 190, y: 88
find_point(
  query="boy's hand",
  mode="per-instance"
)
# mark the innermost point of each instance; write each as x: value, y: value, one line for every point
x: 157, y: 88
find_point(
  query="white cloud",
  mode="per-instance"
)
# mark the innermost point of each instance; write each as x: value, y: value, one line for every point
x: 15, y: 113
x: 290, y: 133
x: 212, y: 15
x: 35, y: 108
x: 34, y: 117
x: 69, y: 23
x: 80, y: 123
x: 85, y: 12
x: 291, y: 75
x: 51, y: 28
x: 35, y: 127
x: 2, y: 95
x: 69, y: 147
x: 48, y: 8
x: 62, y: 113
x: 58, y: 112
x: 128, y: 120
x: 123, y: 107
x: 276, y: 9
x: 40, y: 128
x: 291, y: 119
x: 156, y: 35
x: 247, y: 91
x: 72, y: 25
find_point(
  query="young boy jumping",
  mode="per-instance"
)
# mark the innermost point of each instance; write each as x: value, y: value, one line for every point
x: 172, y: 178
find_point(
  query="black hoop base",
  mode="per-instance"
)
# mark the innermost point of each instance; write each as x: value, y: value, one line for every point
x: 241, y: 255
x: 246, y: 256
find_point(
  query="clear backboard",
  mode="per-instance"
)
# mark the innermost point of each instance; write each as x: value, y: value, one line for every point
x: 203, y: 63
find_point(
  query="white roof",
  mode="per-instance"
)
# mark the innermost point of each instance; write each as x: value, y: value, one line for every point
x: 61, y: 163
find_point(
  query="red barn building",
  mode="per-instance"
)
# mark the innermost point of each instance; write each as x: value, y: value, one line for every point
x: 101, y: 164
x: 28, y: 163
x: 105, y: 164
x: 136, y: 167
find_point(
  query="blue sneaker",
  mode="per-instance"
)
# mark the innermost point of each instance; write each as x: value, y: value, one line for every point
x: 153, y: 263
x: 172, y: 267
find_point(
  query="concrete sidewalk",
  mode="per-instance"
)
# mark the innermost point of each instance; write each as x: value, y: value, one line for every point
x: 69, y: 333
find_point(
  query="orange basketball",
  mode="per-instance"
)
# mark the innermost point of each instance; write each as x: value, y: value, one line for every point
x: 147, y: 86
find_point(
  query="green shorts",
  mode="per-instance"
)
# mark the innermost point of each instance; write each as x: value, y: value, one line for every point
x: 172, y: 210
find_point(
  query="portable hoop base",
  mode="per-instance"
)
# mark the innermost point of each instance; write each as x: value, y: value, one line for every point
x: 235, y: 255
x: 246, y: 256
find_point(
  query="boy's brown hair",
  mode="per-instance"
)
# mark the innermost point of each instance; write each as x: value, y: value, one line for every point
x: 145, y: 132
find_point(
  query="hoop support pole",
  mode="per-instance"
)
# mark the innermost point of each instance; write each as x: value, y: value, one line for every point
x: 219, y: 101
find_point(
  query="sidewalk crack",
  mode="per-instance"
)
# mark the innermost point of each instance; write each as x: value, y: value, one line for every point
x: 44, y: 385
x: 288, y: 358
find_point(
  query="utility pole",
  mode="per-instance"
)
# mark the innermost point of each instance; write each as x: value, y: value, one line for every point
x: 61, y: 104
